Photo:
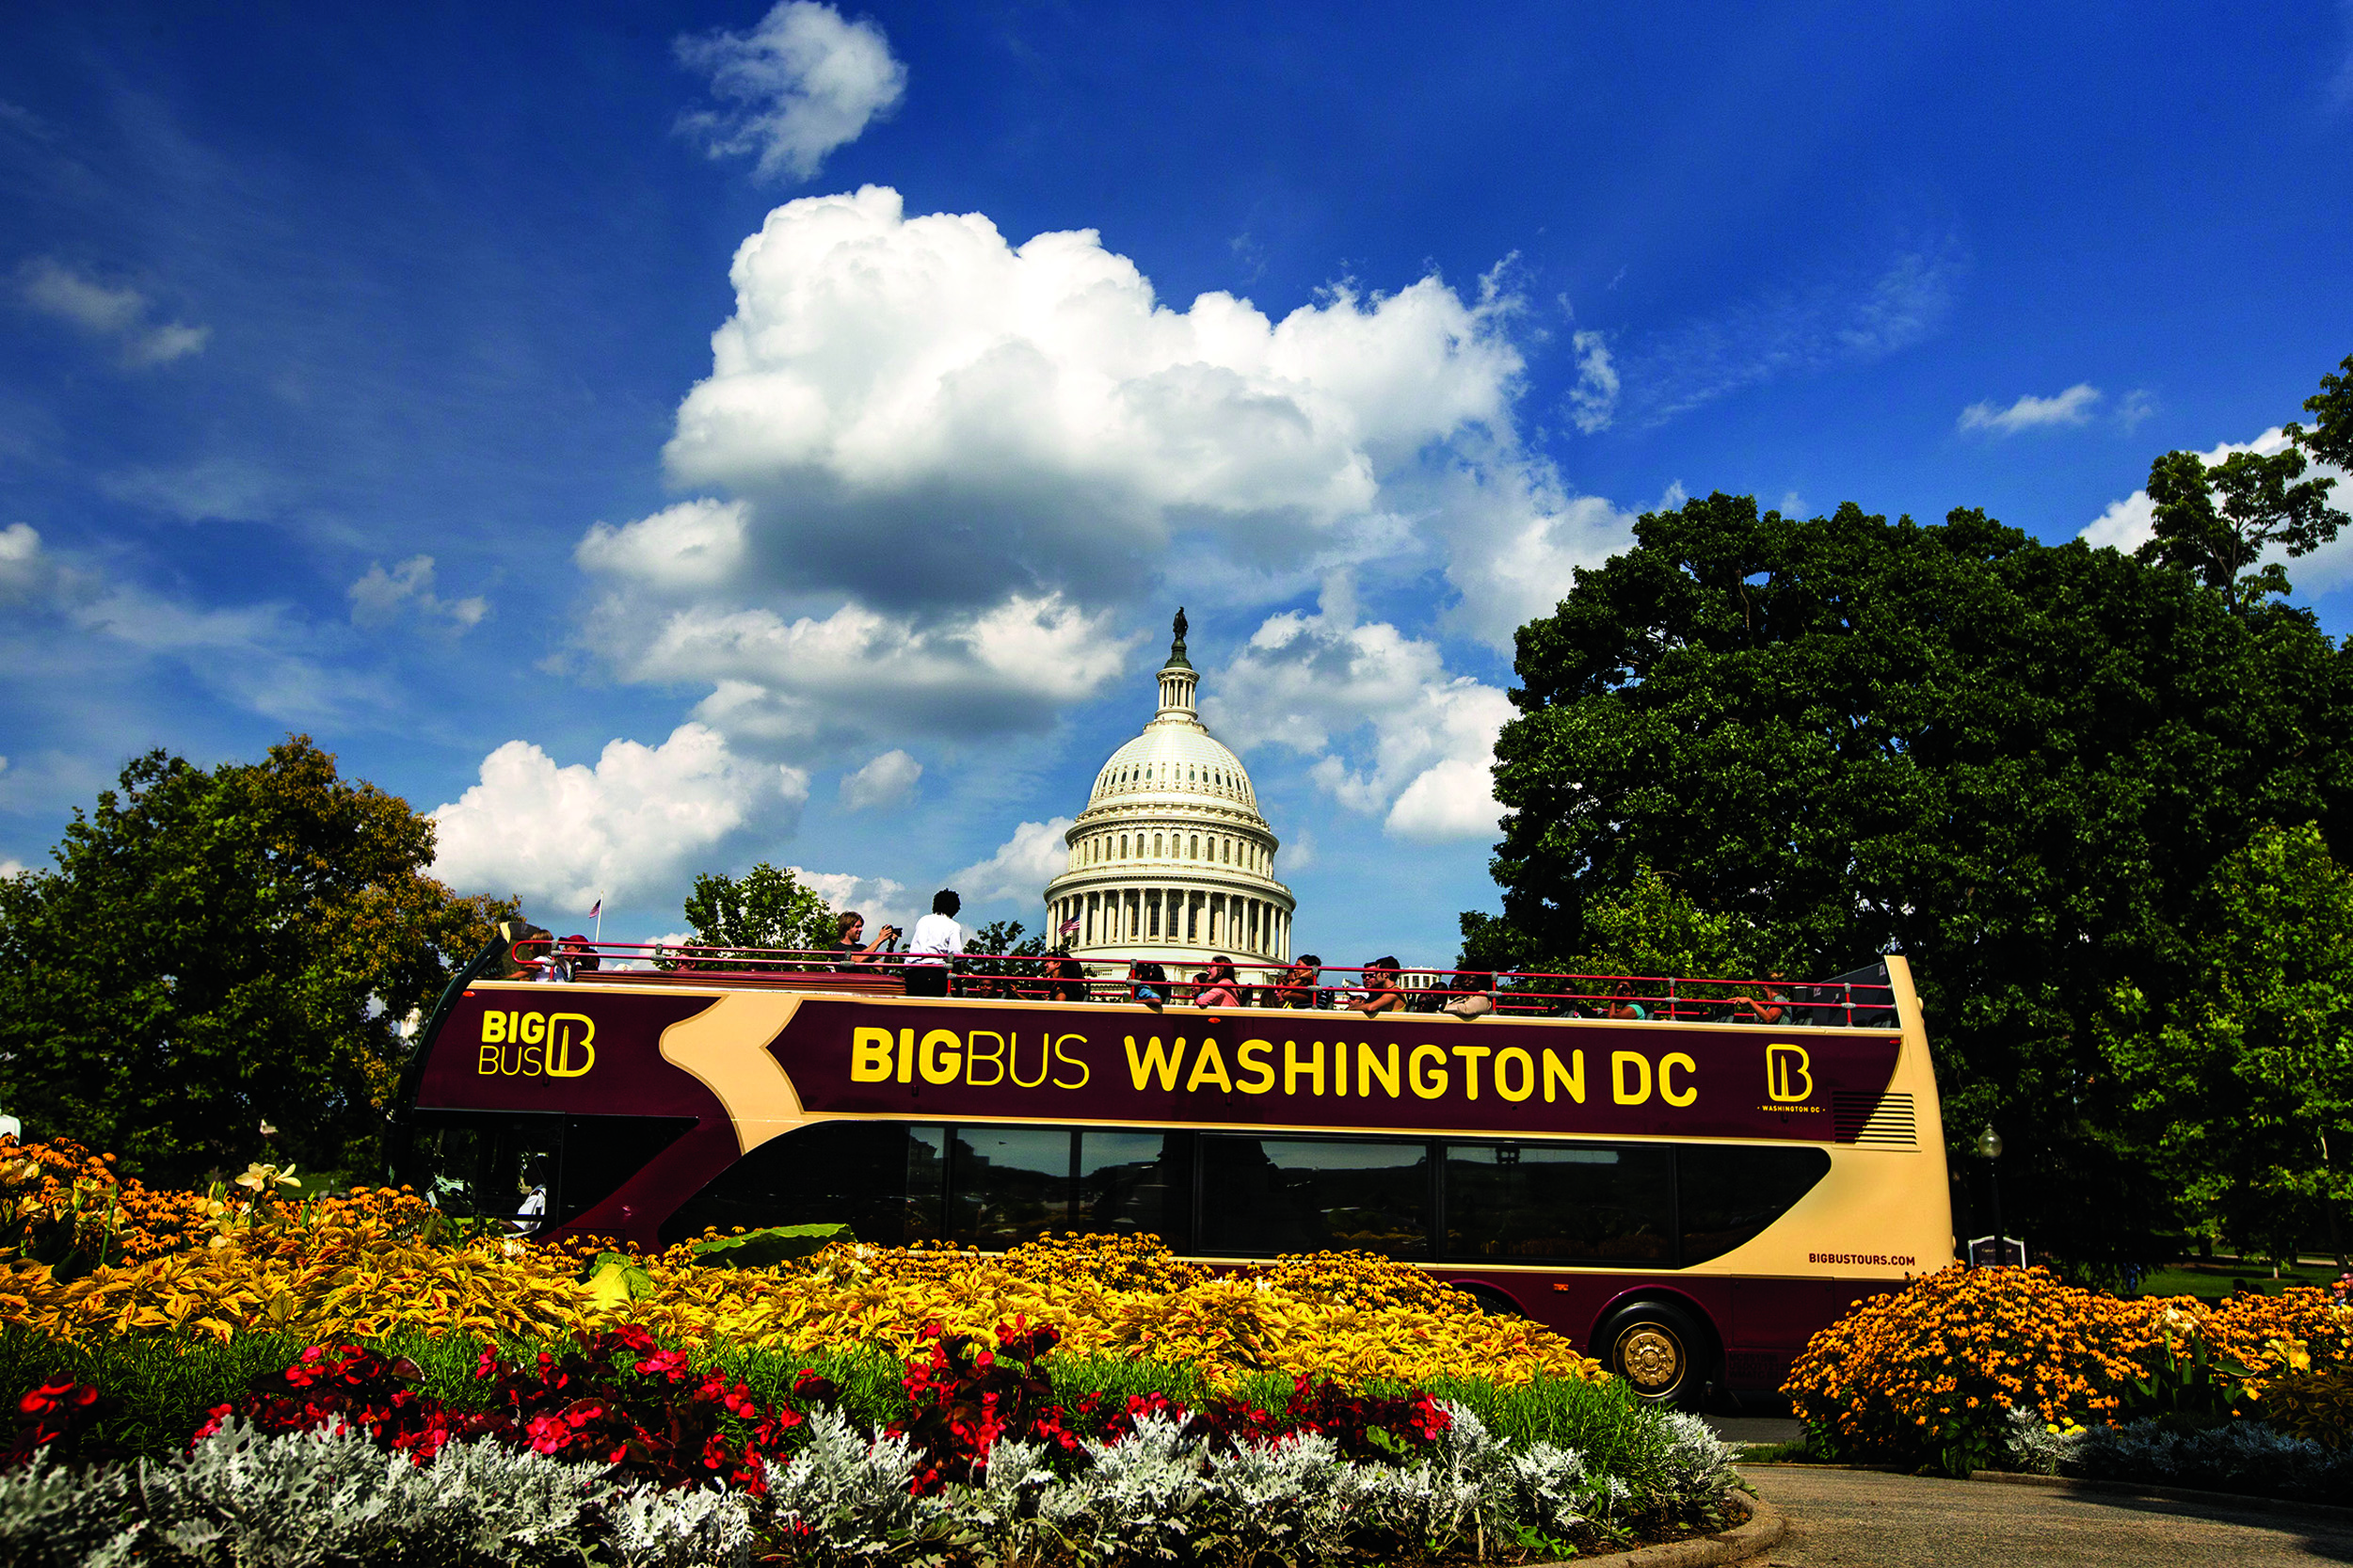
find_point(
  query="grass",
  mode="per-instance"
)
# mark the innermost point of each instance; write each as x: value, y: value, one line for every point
x: 2224, y: 1276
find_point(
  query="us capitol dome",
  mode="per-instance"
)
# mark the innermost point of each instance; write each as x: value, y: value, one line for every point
x: 1171, y: 860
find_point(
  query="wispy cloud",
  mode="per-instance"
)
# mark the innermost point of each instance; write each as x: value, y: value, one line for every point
x: 798, y: 86
x: 380, y: 597
x: 121, y: 315
x: 2071, y: 407
x: 1593, y: 401
x: 1795, y: 330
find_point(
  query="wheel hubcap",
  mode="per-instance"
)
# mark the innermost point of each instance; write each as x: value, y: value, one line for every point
x: 1650, y: 1358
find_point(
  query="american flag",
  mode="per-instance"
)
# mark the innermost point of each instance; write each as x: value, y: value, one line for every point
x: 1070, y: 927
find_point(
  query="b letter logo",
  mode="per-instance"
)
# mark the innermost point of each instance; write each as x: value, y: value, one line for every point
x: 1788, y: 1074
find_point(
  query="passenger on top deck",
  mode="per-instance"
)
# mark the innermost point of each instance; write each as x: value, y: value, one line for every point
x: 1380, y: 990
x: 1772, y: 1010
x: 845, y: 950
x: 1148, y: 984
x: 1297, y: 986
x: 1218, y: 988
x: 564, y: 961
x: 1622, y: 1006
x: 1070, y: 980
x: 937, y: 940
x: 1470, y: 998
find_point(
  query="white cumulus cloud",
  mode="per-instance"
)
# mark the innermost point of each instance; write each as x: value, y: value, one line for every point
x: 634, y: 825
x: 880, y: 899
x: 885, y: 782
x: 1393, y: 734
x: 858, y: 671
x: 379, y: 596
x: 1022, y: 866
x: 123, y: 316
x: 802, y: 83
x: 2071, y: 407
x: 694, y: 545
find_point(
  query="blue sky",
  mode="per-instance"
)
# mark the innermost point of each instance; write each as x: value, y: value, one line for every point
x: 357, y: 377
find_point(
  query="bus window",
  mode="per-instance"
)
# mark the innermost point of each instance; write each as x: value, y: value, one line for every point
x: 1009, y: 1184
x: 1730, y: 1193
x: 476, y: 1166
x: 1133, y: 1183
x: 602, y: 1152
x: 882, y: 1179
x: 1269, y: 1196
x: 1564, y: 1203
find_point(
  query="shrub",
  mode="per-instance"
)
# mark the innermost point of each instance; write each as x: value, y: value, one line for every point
x: 2242, y: 1456
x: 1928, y: 1375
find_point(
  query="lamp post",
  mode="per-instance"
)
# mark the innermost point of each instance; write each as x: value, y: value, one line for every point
x: 1989, y: 1148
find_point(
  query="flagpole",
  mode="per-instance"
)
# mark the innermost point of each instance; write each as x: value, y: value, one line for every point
x: 600, y: 920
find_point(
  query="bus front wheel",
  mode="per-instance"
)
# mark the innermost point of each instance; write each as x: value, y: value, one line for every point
x: 1658, y: 1349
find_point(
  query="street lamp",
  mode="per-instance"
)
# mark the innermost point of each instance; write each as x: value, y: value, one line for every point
x: 1990, y: 1149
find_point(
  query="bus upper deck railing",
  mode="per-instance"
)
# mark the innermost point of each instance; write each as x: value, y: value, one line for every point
x: 1846, y: 1001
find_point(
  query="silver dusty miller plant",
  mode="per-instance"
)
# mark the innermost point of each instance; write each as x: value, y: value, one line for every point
x: 322, y: 1498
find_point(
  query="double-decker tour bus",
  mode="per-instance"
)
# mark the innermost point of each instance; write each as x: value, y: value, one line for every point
x: 1686, y: 1197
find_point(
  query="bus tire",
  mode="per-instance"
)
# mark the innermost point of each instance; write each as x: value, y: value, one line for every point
x: 1492, y: 1301
x: 1659, y: 1350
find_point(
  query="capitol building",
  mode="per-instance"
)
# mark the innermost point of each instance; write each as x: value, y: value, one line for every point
x: 1171, y: 860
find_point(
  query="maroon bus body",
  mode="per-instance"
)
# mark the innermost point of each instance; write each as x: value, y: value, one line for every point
x: 598, y: 1052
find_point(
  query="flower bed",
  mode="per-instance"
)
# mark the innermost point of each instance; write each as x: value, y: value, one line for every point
x: 374, y: 1262
x: 237, y: 1375
x: 984, y: 1461
x: 1930, y: 1375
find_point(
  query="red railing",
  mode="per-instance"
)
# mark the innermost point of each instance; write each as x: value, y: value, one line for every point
x: 1514, y: 992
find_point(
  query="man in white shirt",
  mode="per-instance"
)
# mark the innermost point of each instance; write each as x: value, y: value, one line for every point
x: 937, y: 941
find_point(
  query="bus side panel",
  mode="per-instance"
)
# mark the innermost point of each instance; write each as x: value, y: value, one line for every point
x: 590, y: 1050
x: 1772, y: 1319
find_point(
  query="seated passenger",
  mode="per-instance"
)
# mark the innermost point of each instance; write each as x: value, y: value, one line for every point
x: 1147, y: 983
x: 845, y: 950
x: 1297, y: 986
x: 1380, y: 990
x: 1772, y: 1010
x: 1218, y: 987
x: 1622, y: 1006
x: 1470, y: 999
x: 1070, y: 980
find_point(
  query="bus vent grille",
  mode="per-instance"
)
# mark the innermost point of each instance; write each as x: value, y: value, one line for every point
x: 1884, y: 1120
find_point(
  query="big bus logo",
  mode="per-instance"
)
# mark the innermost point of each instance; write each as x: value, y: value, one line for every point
x: 532, y: 1044
x: 1788, y: 1074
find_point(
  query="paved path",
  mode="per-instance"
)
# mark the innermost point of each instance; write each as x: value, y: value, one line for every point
x: 1859, y: 1519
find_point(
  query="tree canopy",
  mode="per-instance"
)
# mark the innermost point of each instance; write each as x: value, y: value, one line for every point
x: 218, y: 949
x: 2244, y: 1086
x: 2017, y: 763
x: 766, y: 907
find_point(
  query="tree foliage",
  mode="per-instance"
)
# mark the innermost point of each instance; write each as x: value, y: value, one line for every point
x: 2245, y: 1084
x: 2017, y: 763
x: 217, y: 949
x: 2216, y: 520
x: 767, y: 908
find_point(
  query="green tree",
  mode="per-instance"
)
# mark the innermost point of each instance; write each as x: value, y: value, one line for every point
x: 2331, y: 439
x: 2016, y: 763
x: 217, y: 949
x: 768, y: 907
x: 2217, y: 519
x: 2246, y: 1081
x: 1649, y: 928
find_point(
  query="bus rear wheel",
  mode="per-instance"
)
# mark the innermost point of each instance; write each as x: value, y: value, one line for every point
x: 1656, y: 1348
